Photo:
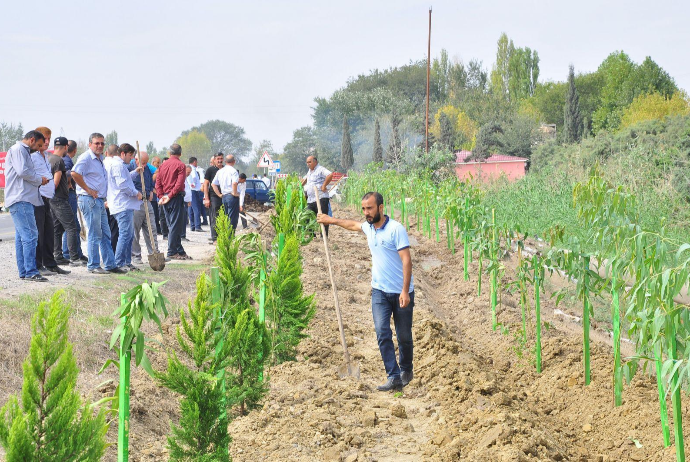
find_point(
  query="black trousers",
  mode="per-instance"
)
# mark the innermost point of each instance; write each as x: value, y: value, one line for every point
x: 174, y: 212
x: 157, y: 217
x: 213, y: 211
x: 114, y: 229
x: 324, y: 208
x: 44, y: 223
x: 64, y: 222
x: 163, y: 221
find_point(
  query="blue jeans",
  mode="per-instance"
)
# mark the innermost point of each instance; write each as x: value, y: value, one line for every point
x: 72, y: 198
x: 98, y: 232
x: 25, y: 238
x: 195, y: 210
x: 123, y: 251
x: 231, y: 204
x: 383, y: 306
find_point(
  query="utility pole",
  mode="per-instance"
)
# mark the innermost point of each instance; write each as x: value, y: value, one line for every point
x: 428, y: 73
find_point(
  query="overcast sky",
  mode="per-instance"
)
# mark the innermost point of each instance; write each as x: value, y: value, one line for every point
x: 150, y: 69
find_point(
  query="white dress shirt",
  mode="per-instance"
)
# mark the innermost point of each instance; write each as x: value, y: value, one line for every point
x: 316, y: 177
x: 122, y: 195
x: 225, y: 178
x: 42, y: 167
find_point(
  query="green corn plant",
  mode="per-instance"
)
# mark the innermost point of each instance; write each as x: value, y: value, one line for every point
x: 202, y: 433
x: 51, y: 423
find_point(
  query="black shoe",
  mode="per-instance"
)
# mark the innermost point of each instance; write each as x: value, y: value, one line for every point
x: 57, y: 270
x: 203, y: 223
x: 406, y: 377
x: 98, y: 270
x: 84, y: 258
x: 131, y: 267
x: 393, y: 384
x: 77, y: 263
x: 62, y: 261
x: 118, y: 270
x: 184, y: 239
x: 43, y: 271
x: 36, y: 278
x: 200, y: 230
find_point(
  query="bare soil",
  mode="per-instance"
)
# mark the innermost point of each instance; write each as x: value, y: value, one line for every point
x: 475, y: 395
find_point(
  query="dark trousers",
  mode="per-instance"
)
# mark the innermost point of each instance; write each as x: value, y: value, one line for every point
x: 213, y: 211
x: 44, y: 223
x: 65, y: 245
x: 383, y: 306
x: 64, y: 222
x: 185, y: 211
x: 163, y: 221
x: 174, y: 212
x: 114, y: 230
x: 195, y: 210
x: 231, y: 204
x: 156, y: 214
x: 325, y: 204
x: 204, y: 211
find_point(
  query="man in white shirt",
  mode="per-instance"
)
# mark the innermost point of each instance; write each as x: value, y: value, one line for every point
x: 123, y: 200
x: 320, y: 177
x: 225, y: 184
x: 267, y: 181
x: 194, y: 179
x: 45, y: 252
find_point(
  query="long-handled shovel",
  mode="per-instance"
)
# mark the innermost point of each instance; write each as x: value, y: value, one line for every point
x: 156, y: 259
x: 349, y: 368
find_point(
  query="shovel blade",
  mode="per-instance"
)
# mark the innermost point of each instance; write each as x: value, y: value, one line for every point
x: 157, y: 261
x: 348, y: 370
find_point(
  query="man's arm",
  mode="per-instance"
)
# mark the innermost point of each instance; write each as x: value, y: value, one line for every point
x: 57, y: 176
x: 327, y: 181
x: 350, y: 225
x: 407, y: 276
x: 217, y: 190
x: 80, y: 181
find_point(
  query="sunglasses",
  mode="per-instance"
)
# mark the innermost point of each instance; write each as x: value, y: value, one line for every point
x: 99, y: 144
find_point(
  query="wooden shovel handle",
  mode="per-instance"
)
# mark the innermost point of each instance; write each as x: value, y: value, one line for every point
x: 330, y: 272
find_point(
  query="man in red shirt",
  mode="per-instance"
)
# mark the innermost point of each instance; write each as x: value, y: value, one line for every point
x: 170, y: 190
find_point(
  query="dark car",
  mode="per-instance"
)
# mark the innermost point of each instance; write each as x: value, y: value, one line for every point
x: 258, y: 190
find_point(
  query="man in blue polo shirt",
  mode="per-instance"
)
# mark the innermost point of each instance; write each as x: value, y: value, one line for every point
x: 392, y: 291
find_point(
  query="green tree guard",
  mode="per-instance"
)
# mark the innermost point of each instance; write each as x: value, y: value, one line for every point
x: 123, y: 398
x: 585, y: 319
x: 537, y: 307
x: 617, y: 371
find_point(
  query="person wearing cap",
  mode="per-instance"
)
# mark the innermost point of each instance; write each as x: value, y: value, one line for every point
x: 319, y: 177
x: 92, y: 189
x: 21, y: 196
x: 72, y: 199
x: 123, y: 200
x: 170, y: 190
x: 212, y: 201
x: 64, y: 221
x: 225, y: 184
x: 140, y: 223
x: 45, y: 258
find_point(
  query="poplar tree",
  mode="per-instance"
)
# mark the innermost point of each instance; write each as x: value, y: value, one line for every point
x: 378, y: 148
x: 347, y: 158
x: 394, y: 155
x: 51, y: 423
x: 572, y: 123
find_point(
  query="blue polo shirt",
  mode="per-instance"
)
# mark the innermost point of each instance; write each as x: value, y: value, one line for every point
x: 386, y: 264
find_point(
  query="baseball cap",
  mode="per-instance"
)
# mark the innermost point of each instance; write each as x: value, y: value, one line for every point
x: 61, y: 141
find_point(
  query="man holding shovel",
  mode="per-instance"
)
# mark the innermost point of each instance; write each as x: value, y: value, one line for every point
x: 392, y: 291
x: 140, y: 223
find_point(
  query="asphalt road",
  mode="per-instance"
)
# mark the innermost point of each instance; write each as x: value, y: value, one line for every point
x: 6, y: 227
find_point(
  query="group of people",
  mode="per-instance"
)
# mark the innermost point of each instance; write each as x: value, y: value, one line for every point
x: 110, y: 190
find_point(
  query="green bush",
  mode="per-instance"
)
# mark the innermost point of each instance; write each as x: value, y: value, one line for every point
x: 51, y: 424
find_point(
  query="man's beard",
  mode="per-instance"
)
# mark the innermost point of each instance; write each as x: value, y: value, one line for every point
x: 376, y: 218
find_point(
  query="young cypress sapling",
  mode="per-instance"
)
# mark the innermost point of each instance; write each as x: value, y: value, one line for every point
x: 288, y: 310
x: 52, y: 423
x: 202, y: 434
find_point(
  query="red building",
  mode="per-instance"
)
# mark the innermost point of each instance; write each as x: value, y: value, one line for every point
x: 493, y: 167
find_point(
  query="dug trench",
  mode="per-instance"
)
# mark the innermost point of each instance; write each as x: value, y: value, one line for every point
x: 475, y: 395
